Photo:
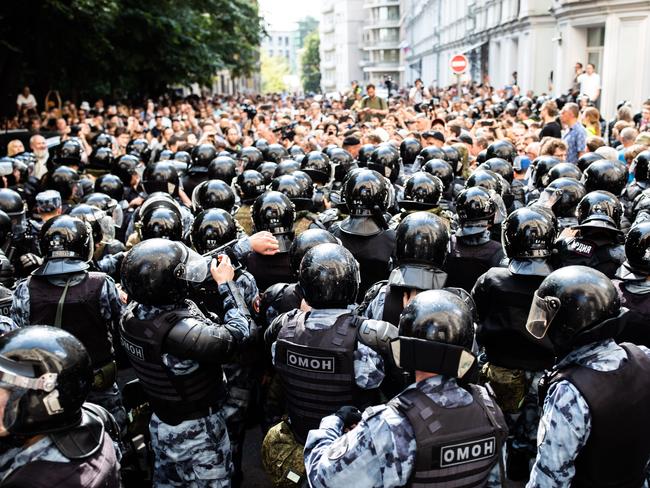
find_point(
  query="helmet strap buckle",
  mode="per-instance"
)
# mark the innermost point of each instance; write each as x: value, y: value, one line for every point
x: 52, y: 404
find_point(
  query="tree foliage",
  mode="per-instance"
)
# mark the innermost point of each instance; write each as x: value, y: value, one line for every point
x: 311, y: 64
x: 274, y: 72
x: 97, y: 47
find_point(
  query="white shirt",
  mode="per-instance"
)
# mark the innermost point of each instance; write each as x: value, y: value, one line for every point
x: 589, y: 85
x: 29, y: 101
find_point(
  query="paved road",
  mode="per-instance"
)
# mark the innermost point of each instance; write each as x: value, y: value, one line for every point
x: 254, y: 475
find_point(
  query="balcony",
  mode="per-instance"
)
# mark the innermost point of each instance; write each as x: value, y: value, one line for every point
x: 380, y: 3
x: 370, y: 66
x: 374, y: 46
x: 382, y: 24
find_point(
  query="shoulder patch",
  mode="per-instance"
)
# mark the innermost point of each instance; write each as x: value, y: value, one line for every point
x: 338, y: 448
x: 582, y: 247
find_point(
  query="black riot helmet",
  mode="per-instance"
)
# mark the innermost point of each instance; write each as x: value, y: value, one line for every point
x: 5, y: 227
x: 296, y: 151
x: 641, y: 166
x: 165, y: 154
x: 366, y: 195
x: 329, y: 276
x: 66, y: 245
x: 161, y: 177
x: 422, y: 191
x: 251, y: 157
x: 564, y: 170
x: 409, y: 150
x: 267, y: 169
x: 222, y: 168
x: 601, y: 210
x: 476, y: 210
x: 11, y: 203
x: 140, y: 149
x: 481, y: 157
x: 528, y: 232
x: 64, y: 180
x: 364, y: 154
x: 102, y: 140
x: 571, y: 191
x: 542, y: 165
x: 111, y: 185
x: 343, y: 162
x: 318, y: 166
x: 262, y: 145
x: 501, y: 167
x: 574, y: 305
x: 607, y: 175
x: 213, y: 194
x: 501, y: 149
x: 48, y: 374
x: 637, y: 248
x: 160, y: 222
x: 485, y: 179
x: 159, y: 271
x: 250, y: 185
x: 442, y: 169
x: 93, y: 216
x: 299, y: 194
x: 212, y: 228
x: 286, y: 167
x: 125, y: 167
x: 436, y: 335
x: 101, y: 159
x: 68, y: 153
x: 183, y: 157
x: 420, y: 251
x: 202, y: 155
x: 304, y: 242
x: 433, y: 152
x: 385, y: 160
x: 276, y: 153
x: 586, y: 159
x: 274, y: 212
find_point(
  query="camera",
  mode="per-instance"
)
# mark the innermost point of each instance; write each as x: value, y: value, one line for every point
x: 250, y: 110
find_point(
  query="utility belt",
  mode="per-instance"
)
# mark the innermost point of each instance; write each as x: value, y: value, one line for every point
x: 174, y: 418
x: 105, y: 376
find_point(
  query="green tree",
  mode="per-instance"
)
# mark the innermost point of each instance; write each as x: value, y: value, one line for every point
x: 87, y: 48
x: 310, y: 76
x: 274, y: 70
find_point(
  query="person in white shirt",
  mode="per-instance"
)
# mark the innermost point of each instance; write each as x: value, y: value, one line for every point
x: 25, y: 100
x: 38, y: 146
x: 419, y: 93
x: 590, y: 83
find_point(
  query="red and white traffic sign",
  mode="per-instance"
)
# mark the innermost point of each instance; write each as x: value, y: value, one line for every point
x: 459, y: 63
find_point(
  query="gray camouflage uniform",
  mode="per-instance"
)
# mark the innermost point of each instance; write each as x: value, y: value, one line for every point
x: 566, y: 422
x: 196, y: 452
x: 111, y: 308
x: 381, y: 450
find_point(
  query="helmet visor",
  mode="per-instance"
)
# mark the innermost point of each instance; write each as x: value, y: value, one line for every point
x: 194, y: 269
x: 549, y: 197
x: 117, y: 214
x: 541, y: 314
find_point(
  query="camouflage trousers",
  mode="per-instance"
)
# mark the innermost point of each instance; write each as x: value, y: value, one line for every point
x: 111, y: 400
x: 194, y: 453
x: 282, y: 457
x: 241, y: 381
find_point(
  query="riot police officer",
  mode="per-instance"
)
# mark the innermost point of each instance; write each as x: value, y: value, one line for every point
x: 514, y: 362
x: 443, y: 170
x: 7, y: 277
x: 422, y: 192
x: 63, y: 293
x: 633, y: 284
x: 299, y: 188
x: 409, y: 150
x: 594, y: 430
x: 397, y: 444
x: 420, y: 251
x: 50, y: 436
x: 284, y: 297
x: 317, y: 354
x: 365, y: 231
x: 202, y: 156
x: 272, y: 212
x: 597, y: 240
x: 473, y: 251
x: 176, y: 353
x: 640, y: 168
x: 249, y: 185
x: 563, y: 196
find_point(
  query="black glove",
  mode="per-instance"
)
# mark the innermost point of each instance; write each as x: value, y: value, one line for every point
x: 349, y: 415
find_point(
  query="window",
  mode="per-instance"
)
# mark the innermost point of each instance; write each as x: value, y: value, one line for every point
x: 595, y: 44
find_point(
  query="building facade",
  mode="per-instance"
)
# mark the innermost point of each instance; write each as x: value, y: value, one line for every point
x: 534, y: 43
x: 341, y: 32
x: 381, y: 42
x: 283, y: 44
